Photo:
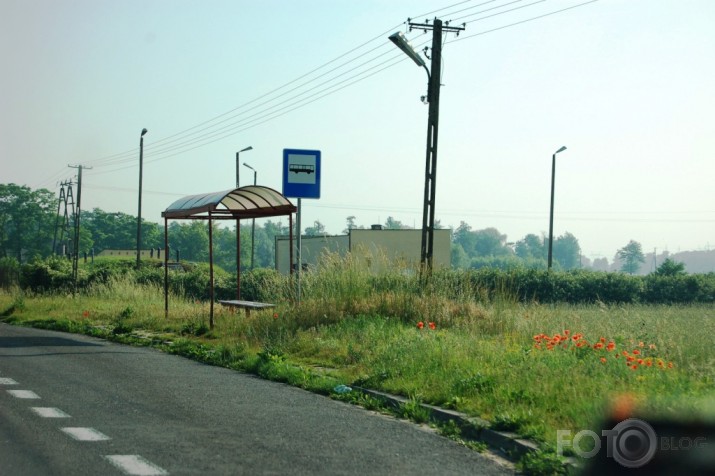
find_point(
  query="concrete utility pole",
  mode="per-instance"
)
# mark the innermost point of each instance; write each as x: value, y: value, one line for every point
x: 78, y: 208
x: 139, y: 211
x: 434, y: 75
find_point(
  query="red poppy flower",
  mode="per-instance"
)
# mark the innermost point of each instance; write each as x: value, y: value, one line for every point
x: 432, y: 325
x: 420, y: 325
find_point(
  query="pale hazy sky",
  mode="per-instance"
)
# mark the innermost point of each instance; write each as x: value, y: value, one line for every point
x: 626, y: 85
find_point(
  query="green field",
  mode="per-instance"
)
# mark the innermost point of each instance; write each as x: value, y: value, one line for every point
x: 526, y: 367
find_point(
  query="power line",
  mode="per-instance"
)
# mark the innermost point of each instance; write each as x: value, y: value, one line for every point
x: 151, y: 148
x: 116, y: 162
x: 520, y: 22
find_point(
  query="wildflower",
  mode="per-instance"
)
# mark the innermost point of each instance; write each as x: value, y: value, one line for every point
x: 567, y: 332
x: 432, y: 325
x: 670, y: 365
x: 625, y: 353
x: 651, y: 346
x: 640, y: 344
x: 598, y: 345
x: 648, y: 363
x: 630, y: 358
x: 85, y: 314
x: 275, y: 315
x: 602, y: 339
x: 611, y: 345
x: 603, y: 360
x: 634, y: 367
x: 420, y: 325
x: 636, y: 352
x: 640, y: 361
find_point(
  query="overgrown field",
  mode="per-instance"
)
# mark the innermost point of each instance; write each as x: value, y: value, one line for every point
x: 526, y: 366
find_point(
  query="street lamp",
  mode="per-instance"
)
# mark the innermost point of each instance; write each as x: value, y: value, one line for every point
x: 139, y: 212
x: 237, y: 163
x: 551, y: 216
x: 253, y: 221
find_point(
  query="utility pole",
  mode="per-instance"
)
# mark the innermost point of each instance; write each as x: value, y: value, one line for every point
x: 430, y: 193
x: 62, y: 199
x: 78, y: 208
x: 139, y: 210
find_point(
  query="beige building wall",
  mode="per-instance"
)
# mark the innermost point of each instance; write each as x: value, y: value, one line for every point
x: 314, y: 247
x: 379, y: 248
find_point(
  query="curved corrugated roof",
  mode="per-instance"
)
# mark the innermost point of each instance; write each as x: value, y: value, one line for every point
x: 252, y: 201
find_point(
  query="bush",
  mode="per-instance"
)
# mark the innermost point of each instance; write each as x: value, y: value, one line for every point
x: 51, y: 274
x: 9, y: 272
x: 263, y: 285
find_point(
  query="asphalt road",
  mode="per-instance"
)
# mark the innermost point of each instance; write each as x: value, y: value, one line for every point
x: 104, y: 408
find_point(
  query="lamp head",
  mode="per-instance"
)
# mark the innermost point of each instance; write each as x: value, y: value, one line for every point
x: 401, y: 42
x: 247, y: 148
x: 144, y: 131
x: 563, y: 148
x: 246, y: 165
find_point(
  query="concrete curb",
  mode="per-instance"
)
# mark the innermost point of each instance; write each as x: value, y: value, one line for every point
x: 472, y: 428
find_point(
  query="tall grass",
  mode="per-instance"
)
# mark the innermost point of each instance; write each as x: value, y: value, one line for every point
x: 375, y: 330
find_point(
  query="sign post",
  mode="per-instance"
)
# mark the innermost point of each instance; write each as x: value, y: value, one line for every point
x: 301, y: 179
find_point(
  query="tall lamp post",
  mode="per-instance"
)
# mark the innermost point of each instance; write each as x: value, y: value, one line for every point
x: 433, y: 75
x: 551, y: 215
x: 238, y: 229
x: 139, y: 211
x: 253, y: 221
x: 238, y: 163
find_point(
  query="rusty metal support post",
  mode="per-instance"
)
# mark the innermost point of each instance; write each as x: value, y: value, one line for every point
x: 211, y: 271
x: 166, y: 267
x: 238, y: 258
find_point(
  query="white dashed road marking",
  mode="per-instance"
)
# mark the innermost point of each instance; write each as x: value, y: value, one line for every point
x: 135, y: 465
x: 7, y: 381
x: 29, y: 394
x: 85, y: 434
x: 49, y: 412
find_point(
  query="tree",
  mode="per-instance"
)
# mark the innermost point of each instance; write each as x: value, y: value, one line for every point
x: 464, y: 237
x: 192, y: 240
x: 670, y: 267
x: 489, y: 242
x: 631, y: 257
x: 350, y: 224
x: 531, y: 247
x: 567, y: 251
x: 318, y: 229
x: 459, y: 257
x: 392, y: 224
x: 27, y: 220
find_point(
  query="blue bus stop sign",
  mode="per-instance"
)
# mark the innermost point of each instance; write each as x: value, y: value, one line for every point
x: 301, y: 173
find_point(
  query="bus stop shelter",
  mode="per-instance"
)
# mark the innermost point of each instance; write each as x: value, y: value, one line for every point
x: 253, y: 201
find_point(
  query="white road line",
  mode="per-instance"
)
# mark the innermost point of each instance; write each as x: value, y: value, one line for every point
x: 7, y: 381
x: 135, y: 465
x: 23, y: 394
x: 85, y: 434
x: 49, y: 412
